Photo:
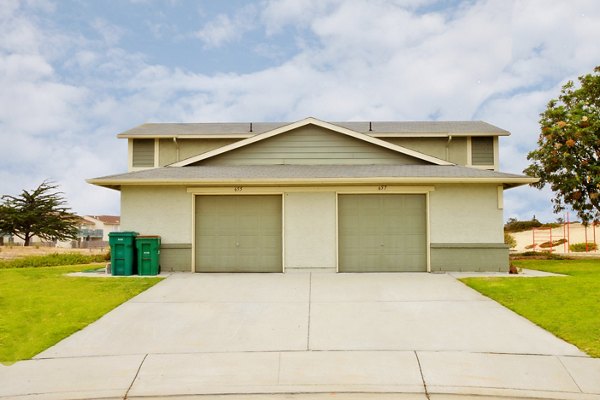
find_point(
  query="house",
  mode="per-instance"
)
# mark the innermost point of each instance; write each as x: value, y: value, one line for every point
x: 93, y: 231
x: 101, y: 226
x: 319, y: 196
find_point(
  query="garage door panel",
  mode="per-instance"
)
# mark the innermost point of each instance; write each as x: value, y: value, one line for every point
x: 238, y: 233
x: 382, y: 233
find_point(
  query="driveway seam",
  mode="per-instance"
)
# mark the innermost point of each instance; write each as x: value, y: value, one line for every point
x: 569, y: 372
x: 135, y: 377
x: 422, y: 376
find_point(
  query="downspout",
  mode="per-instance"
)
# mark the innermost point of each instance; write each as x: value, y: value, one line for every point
x: 176, y: 149
x: 448, y: 147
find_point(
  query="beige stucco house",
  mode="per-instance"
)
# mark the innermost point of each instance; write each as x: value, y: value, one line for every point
x: 319, y: 196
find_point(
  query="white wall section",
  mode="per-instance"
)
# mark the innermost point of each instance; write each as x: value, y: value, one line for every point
x: 309, y: 230
x: 154, y: 210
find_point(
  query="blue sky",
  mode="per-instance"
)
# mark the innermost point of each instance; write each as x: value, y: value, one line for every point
x: 73, y: 74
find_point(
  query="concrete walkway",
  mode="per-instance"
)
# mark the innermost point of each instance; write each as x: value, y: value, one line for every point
x: 406, y: 336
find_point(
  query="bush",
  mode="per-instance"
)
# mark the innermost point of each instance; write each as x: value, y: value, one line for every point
x: 510, y: 240
x: 554, y: 243
x: 519, y: 226
x: 579, y: 247
x: 542, y: 255
x: 53, y: 260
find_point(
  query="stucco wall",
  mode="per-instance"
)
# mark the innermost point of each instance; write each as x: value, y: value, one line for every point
x: 310, y: 229
x: 465, y: 214
x: 164, y: 211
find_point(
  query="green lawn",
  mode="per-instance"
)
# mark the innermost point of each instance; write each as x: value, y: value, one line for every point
x: 569, y: 307
x: 41, y: 306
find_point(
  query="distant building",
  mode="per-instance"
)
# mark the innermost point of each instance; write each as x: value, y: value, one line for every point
x: 93, y: 232
x: 101, y: 226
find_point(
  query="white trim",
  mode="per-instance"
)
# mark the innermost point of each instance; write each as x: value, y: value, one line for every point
x: 469, y: 152
x: 250, y: 190
x: 130, y: 155
x: 193, y: 232
x: 496, y: 153
x: 500, y: 197
x: 305, y: 122
x: 428, y: 227
x: 283, y: 233
x: 337, y: 235
x: 156, y: 153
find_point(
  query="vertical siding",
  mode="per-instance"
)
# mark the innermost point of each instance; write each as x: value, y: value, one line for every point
x: 143, y: 153
x: 311, y: 145
x: 482, y: 150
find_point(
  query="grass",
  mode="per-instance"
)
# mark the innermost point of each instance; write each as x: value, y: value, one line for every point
x: 41, y: 306
x: 51, y: 260
x: 569, y: 307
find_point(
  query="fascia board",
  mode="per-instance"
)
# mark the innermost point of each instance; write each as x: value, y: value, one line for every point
x: 305, y: 181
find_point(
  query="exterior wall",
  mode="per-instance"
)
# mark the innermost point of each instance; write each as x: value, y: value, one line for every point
x: 164, y: 211
x: 310, y: 231
x: 187, y: 148
x: 466, y: 229
x: 454, y: 151
x: 311, y: 145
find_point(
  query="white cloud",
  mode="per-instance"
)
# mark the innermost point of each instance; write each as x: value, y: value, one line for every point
x: 225, y: 29
x: 493, y: 60
x: 111, y: 34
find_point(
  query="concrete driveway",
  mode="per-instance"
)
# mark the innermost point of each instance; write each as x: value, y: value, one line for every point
x: 309, y: 333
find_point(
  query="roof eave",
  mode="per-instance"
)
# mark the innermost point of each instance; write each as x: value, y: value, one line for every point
x: 180, y: 136
x: 117, y: 183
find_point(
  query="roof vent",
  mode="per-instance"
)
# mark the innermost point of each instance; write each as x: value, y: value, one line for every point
x: 370, y: 126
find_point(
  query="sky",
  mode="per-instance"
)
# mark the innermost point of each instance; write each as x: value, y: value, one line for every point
x: 75, y: 73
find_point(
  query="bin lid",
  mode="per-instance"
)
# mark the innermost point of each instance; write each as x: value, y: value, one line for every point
x: 123, y: 234
x: 148, y: 237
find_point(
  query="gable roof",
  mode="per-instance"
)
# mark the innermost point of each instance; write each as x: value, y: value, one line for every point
x: 305, y: 122
x: 241, y: 130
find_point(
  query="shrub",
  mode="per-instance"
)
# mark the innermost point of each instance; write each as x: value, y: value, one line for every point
x: 579, y: 247
x: 510, y: 240
x: 542, y: 255
x: 554, y: 243
x: 519, y: 226
x: 53, y: 260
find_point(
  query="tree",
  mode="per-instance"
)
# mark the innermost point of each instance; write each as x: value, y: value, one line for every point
x: 41, y: 212
x: 568, y: 155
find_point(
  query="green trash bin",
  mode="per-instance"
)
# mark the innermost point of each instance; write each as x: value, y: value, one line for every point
x: 148, y: 255
x: 122, y: 253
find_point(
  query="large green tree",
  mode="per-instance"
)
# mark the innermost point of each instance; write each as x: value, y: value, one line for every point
x: 41, y: 212
x: 568, y: 153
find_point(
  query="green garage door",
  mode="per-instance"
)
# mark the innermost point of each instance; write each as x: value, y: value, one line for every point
x: 382, y: 233
x: 238, y: 234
